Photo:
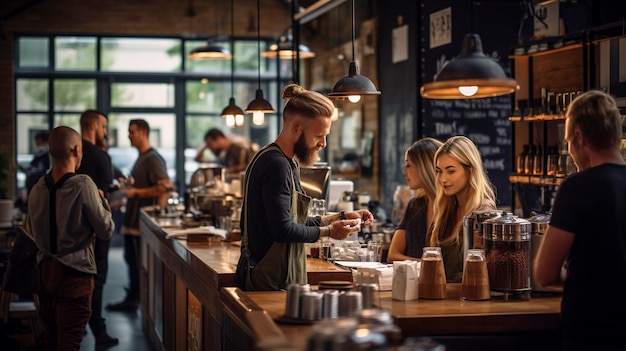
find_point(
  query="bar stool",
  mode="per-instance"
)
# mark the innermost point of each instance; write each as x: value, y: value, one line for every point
x: 13, y: 309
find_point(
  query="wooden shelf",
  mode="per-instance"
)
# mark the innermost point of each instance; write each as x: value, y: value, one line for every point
x: 535, y: 179
x: 554, y: 48
x: 541, y: 117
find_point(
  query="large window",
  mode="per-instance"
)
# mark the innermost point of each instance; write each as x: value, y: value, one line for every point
x: 58, y: 77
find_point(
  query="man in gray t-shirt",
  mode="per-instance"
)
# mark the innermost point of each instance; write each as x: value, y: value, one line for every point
x: 150, y: 186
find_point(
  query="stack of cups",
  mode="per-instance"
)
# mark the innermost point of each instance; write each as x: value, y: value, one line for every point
x: 330, y: 304
x: 350, y: 303
x: 294, y: 292
x: 311, y: 305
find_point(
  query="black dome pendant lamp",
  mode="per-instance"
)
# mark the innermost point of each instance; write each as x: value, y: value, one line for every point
x: 232, y: 112
x: 471, y: 75
x: 210, y: 51
x: 354, y: 85
x: 259, y: 106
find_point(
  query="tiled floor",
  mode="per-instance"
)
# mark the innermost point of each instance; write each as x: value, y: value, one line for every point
x: 122, y: 325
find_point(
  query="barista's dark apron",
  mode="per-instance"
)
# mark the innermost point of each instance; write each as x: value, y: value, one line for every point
x: 284, y: 263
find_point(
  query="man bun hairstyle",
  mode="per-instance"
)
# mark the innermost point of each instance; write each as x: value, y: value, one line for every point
x: 306, y: 103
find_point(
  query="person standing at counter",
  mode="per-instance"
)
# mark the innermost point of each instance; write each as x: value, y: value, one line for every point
x: 419, y: 171
x: 65, y: 212
x: 274, y: 218
x: 150, y: 186
x: 96, y: 163
x: 233, y: 154
x: 587, y: 227
x: 462, y: 188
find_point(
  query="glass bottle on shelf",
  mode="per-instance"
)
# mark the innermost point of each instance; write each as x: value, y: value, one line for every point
x: 521, y: 160
x: 553, y: 160
x: 538, y: 161
x: 530, y: 158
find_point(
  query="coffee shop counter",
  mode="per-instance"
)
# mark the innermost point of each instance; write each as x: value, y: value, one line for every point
x: 459, y: 325
x: 180, y: 283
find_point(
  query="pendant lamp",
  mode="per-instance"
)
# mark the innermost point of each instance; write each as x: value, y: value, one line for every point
x: 232, y: 112
x: 471, y: 75
x: 284, y: 48
x: 210, y: 51
x: 259, y: 106
x: 354, y: 85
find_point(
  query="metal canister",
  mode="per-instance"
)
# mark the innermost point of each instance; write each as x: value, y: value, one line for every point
x: 473, y: 229
x: 507, y: 248
x: 539, y: 225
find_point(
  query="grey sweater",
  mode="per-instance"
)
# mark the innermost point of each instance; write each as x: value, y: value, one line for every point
x: 80, y: 214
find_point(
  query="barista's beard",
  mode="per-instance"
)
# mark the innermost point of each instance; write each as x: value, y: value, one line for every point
x: 305, y: 155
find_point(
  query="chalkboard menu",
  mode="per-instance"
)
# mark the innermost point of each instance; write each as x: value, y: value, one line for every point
x: 485, y: 122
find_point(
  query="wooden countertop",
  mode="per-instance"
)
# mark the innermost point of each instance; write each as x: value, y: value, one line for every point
x: 216, y: 261
x: 451, y: 316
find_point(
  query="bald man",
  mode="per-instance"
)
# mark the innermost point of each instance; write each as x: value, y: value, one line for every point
x: 65, y: 215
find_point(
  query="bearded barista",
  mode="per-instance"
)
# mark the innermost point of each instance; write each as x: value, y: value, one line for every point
x: 274, y: 218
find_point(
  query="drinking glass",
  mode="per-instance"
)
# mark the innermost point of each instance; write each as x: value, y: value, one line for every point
x: 432, y: 278
x: 475, y: 284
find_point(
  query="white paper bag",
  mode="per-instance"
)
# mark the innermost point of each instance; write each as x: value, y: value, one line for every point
x: 404, y: 284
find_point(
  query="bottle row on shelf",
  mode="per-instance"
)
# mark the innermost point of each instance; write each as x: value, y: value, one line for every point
x: 530, y: 162
x: 551, y: 105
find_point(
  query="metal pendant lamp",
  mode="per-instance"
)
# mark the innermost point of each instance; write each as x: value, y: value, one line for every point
x: 354, y: 85
x: 471, y: 75
x: 259, y: 106
x: 232, y: 112
x: 284, y: 49
x: 211, y: 51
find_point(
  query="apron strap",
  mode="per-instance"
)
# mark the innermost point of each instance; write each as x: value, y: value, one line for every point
x: 244, y: 229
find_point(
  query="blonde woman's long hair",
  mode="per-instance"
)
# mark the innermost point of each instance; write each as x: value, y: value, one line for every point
x: 481, y: 196
x: 422, y: 154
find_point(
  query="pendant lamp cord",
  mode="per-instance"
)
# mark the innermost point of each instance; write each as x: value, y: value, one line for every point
x: 295, y: 44
x: 258, y: 40
x: 216, y: 20
x: 232, y: 48
x: 353, y: 59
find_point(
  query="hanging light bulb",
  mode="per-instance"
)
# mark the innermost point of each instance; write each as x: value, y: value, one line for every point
x: 239, y: 120
x: 258, y: 118
x: 468, y: 90
x: 230, y: 121
x: 354, y: 98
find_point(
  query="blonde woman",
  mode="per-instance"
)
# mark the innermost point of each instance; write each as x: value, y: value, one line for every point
x: 462, y: 187
x: 410, y: 237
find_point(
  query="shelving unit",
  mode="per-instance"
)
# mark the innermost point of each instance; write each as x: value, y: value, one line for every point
x: 536, y: 118
x: 575, y: 63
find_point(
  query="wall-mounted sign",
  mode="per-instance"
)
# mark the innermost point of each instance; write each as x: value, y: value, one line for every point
x: 441, y: 27
x: 400, y: 44
x: 546, y: 21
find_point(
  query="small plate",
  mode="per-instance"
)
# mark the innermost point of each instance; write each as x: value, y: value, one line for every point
x: 335, y: 285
